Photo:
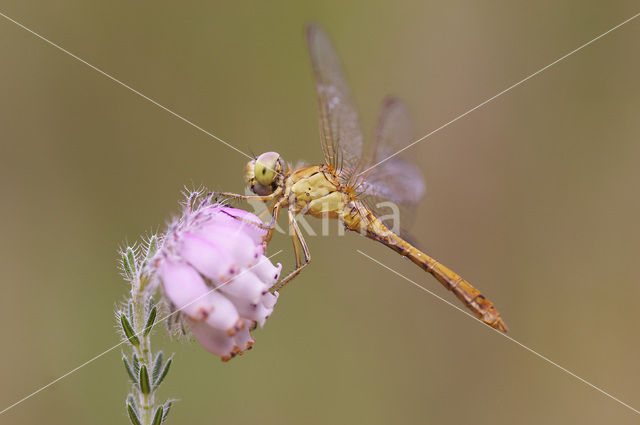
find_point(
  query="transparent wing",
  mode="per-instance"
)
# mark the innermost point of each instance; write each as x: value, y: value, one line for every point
x: 397, y: 179
x: 340, y: 132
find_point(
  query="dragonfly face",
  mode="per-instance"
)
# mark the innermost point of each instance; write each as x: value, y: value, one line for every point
x: 265, y: 173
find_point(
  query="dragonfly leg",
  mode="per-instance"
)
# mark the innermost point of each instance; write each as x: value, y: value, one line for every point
x: 275, y: 211
x: 300, y: 263
x: 270, y: 208
x: 296, y: 246
x: 261, y: 225
x: 265, y: 198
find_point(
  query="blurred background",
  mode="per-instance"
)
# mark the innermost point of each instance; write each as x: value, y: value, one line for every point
x: 532, y: 198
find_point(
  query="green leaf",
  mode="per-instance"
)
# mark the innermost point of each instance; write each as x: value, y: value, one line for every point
x: 152, y: 246
x: 131, y: 316
x: 157, y: 366
x: 129, y: 262
x: 149, y: 303
x: 129, y: 370
x: 167, y: 407
x: 151, y: 318
x: 132, y: 400
x: 133, y: 414
x: 157, y: 418
x: 143, y: 381
x: 128, y: 330
x: 164, y: 372
x: 136, y: 364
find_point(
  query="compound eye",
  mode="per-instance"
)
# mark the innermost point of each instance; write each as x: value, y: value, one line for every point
x: 265, y: 169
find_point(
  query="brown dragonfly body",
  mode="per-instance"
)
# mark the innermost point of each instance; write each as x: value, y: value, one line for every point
x: 344, y: 187
x: 317, y: 191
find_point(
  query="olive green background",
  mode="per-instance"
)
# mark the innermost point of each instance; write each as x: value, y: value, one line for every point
x: 533, y: 198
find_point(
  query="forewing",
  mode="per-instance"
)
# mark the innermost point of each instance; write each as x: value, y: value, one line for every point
x: 395, y: 179
x: 340, y: 131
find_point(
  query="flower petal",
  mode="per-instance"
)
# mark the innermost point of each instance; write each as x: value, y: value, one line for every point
x: 186, y: 289
x: 212, y: 260
x: 224, y: 316
x: 240, y: 246
x: 269, y: 299
x: 266, y: 271
x: 250, y: 223
x: 244, y: 289
x: 213, y: 340
x: 243, y: 339
x: 259, y: 313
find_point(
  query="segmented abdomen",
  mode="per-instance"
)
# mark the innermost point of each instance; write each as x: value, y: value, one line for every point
x: 470, y: 296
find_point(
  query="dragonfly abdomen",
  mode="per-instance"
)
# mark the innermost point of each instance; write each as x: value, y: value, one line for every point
x: 470, y: 296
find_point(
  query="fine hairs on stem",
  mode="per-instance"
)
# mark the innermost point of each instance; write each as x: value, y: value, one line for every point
x: 136, y: 318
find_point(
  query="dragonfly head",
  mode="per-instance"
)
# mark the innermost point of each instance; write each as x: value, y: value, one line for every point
x: 265, y: 173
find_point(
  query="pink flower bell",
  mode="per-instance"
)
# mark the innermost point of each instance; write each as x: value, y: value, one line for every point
x: 214, y: 272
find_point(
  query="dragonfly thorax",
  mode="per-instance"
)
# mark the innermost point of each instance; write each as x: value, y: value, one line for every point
x: 265, y: 173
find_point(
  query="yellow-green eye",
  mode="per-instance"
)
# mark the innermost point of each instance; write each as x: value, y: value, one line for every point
x: 265, y: 169
x: 264, y: 174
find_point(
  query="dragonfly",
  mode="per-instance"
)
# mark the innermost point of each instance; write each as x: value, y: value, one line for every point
x: 348, y: 184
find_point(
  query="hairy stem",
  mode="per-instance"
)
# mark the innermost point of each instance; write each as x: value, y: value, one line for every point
x: 137, y: 318
x: 140, y: 301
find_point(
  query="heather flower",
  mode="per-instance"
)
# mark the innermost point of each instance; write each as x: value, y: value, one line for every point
x: 213, y: 270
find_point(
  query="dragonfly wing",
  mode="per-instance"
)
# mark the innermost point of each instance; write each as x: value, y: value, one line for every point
x: 340, y: 132
x: 396, y: 179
